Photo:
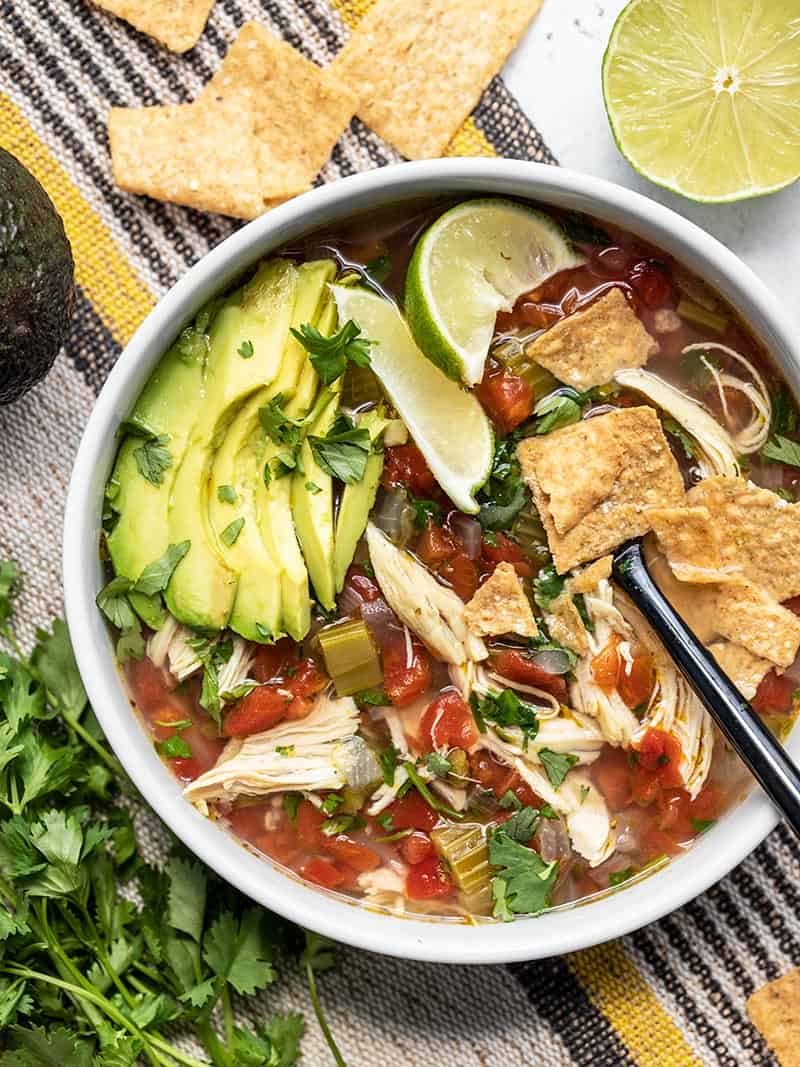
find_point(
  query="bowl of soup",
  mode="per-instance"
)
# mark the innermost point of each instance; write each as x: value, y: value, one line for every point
x: 337, y: 557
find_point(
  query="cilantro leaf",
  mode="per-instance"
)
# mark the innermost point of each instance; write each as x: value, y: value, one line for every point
x: 522, y: 824
x: 618, y: 877
x: 156, y: 575
x: 9, y: 586
x: 556, y: 764
x: 239, y: 951
x: 226, y: 494
x: 153, y: 458
x: 504, y: 495
x: 547, y: 586
x: 277, y: 425
x: 524, y: 883
x: 438, y: 764
x: 379, y: 269
x: 114, y: 604
x: 51, y: 1047
x: 781, y: 449
x: 505, y: 709
x: 674, y: 428
x: 388, y: 760
x: 371, y: 698
x: 784, y: 412
x: 245, y: 349
x: 343, y: 452
x: 558, y: 409
x: 230, y: 534
x: 284, y: 1032
x: 330, y: 355
x: 175, y: 747
x: 425, y: 510
x: 186, y: 901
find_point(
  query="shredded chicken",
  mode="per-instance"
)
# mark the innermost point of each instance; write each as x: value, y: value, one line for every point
x: 433, y: 613
x: 304, y: 755
x: 754, y: 435
x: 473, y: 678
x: 169, y: 648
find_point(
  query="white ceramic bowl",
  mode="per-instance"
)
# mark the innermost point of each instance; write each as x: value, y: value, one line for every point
x: 564, y: 930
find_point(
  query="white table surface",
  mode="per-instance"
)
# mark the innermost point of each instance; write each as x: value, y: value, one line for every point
x: 555, y: 74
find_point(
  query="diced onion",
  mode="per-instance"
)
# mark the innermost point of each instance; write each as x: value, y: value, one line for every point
x: 469, y: 532
x: 394, y: 516
x: 356, y: 762
x: 553, y: 661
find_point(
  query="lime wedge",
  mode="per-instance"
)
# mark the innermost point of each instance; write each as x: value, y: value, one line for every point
x: 447, y: 423
x: 474, y: 261
x: 704, y: 98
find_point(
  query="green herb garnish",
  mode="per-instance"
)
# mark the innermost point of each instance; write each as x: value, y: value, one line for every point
x: 226, y: 494
x: 153, y: 458
x: 231, y: 532
x: 556, y: 764
x: 343, y: 451
x: 330, y: 355
x: 245, y: 349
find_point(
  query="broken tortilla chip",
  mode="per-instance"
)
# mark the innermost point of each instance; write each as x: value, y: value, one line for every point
x: 177, y: 24
x: 745, y: 670
x: 420, y: 66
x: 589, y: 346
x: 203, y: 155
x: 566, y: 626
x: 300, y: 111
x: 758, y: 532
x: 588, y: 579
x: 774, y: 1010
x: 687, y: 537
x: 749, y: 616
x: 500, y: 606
x: 593, y: 482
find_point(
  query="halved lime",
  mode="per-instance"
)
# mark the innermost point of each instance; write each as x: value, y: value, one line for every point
x: 704, y: 98
x: 446, y: 422
x: 474, y: 261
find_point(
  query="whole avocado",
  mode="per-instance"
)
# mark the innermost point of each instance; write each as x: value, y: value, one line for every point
x: 37, y: 280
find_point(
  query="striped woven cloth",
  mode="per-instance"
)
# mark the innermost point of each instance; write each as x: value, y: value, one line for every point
x: 671, y: 995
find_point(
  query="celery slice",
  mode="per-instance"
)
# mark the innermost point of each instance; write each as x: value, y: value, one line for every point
x: 351, y: 658
x: 466, y: 852
x: 516, y: 359
x: 701, y: 316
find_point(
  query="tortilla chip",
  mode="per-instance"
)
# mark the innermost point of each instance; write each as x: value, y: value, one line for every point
x: 687, y: 536
x: 177, y: 24
x: 203, y: 155
x: 566, y: 625
x: 500, y: 606
x: 775, y: 1011
x: 588, y: 579
x: 420, y: 66
x: 300, y: 111
x: 589, y: 346
x: 745, y: 670
x: 749, y: 616
x: 594, y: 482
x: 758, y: 532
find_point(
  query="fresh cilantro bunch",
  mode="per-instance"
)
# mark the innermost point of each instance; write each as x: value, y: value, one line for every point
x: 87, y: 977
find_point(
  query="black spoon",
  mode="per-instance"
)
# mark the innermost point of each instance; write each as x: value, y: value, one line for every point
x: 775, y: 772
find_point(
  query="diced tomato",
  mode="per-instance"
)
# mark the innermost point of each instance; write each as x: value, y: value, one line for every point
x: 322, y: 871
x: 673, y: 812
x: 258, y: 711
x: 504, y: 550
x: 428, y: 879
x: 606, y: 665
x: 793, y: 604
x: 435, y: 545
x: 307, y: 824
x: 270, y: 659
x: 611, y: 773
x: 280, y: 844
x: 401, y: 682
x: 708, y: 804
x: 507, y: 398
x: 448, y: 723
x: 654, y: 843
x: 358, y: 857
x: 461, y: 574
x: 415, y: 848
x: 774, y: 694
x: 358, y: 586
x: 657, y: 757
x: 518, y: 667
x: 490, y: 774
x: 635, y: 682
x: 652, y: 283
x: 411, y: 812
x: 404, y: 465
x: 149, y: 687
x: 306, y: 680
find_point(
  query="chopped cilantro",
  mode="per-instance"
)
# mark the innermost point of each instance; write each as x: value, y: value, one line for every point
x: 547, y: 812
x: 342, y: 824
x: 505, y: 709
x: 556, y: 764
x: 780, y: 449
x: 245, y: 349
x: 226, y: 494
x: 547, y: 586
x: 313, y: 488
x: 175, y: 748
x: 522, y: 824
x: 332, y: 802
x: 291, y: 802
x: 343, y: 451
x: 231, y: 532
x: 524, y: 883
x: 558, y: 409
x: 438, y: 765
x: 285, y: 750
x: 243, y: 689
x: 114, y: 604
x: 330, y: 355
x: 425, y: 510
x: 156, y: 575
x: 618, y: 877
x: 371, y: 698
x: 388, y: 761
x: 379, y: 269
x: 386, y: 822
x: 784, y: 412
x: 585, y: 790
x: 699, y: 825
x: 504, y: 495
x: 510, y: 800
x: 368, y: 569
x: 153, y: 458
x: 674, y: 428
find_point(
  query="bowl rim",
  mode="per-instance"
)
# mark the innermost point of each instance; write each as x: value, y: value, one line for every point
x: 434, y: 939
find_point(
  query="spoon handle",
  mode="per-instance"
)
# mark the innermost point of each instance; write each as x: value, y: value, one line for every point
x: 772, y: 767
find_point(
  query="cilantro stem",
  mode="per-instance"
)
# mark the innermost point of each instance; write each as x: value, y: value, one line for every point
x: 227, y: 1012
x: 110, y: 761
x: 426, y: 794
x: 323, y: 1023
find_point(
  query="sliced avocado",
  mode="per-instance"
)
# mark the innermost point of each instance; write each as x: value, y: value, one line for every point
x: 247, y: 340
x: 357, y: 500
x: 237, y: 470
x: 298, y: 383
x: 37, y: 287
x: 312, y: 508
x: 166, y: 406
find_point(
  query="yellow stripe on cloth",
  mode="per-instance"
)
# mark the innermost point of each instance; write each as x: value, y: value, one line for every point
x: 102, y: 270
x: 618, y: 990
x: 469, y: 140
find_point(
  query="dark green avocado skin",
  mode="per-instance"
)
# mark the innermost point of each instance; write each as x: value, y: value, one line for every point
x: 37, y: 280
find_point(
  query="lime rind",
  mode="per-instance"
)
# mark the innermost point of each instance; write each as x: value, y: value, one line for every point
x: 781, y: 142
x: 473, y: 262
x: 446, y: 422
